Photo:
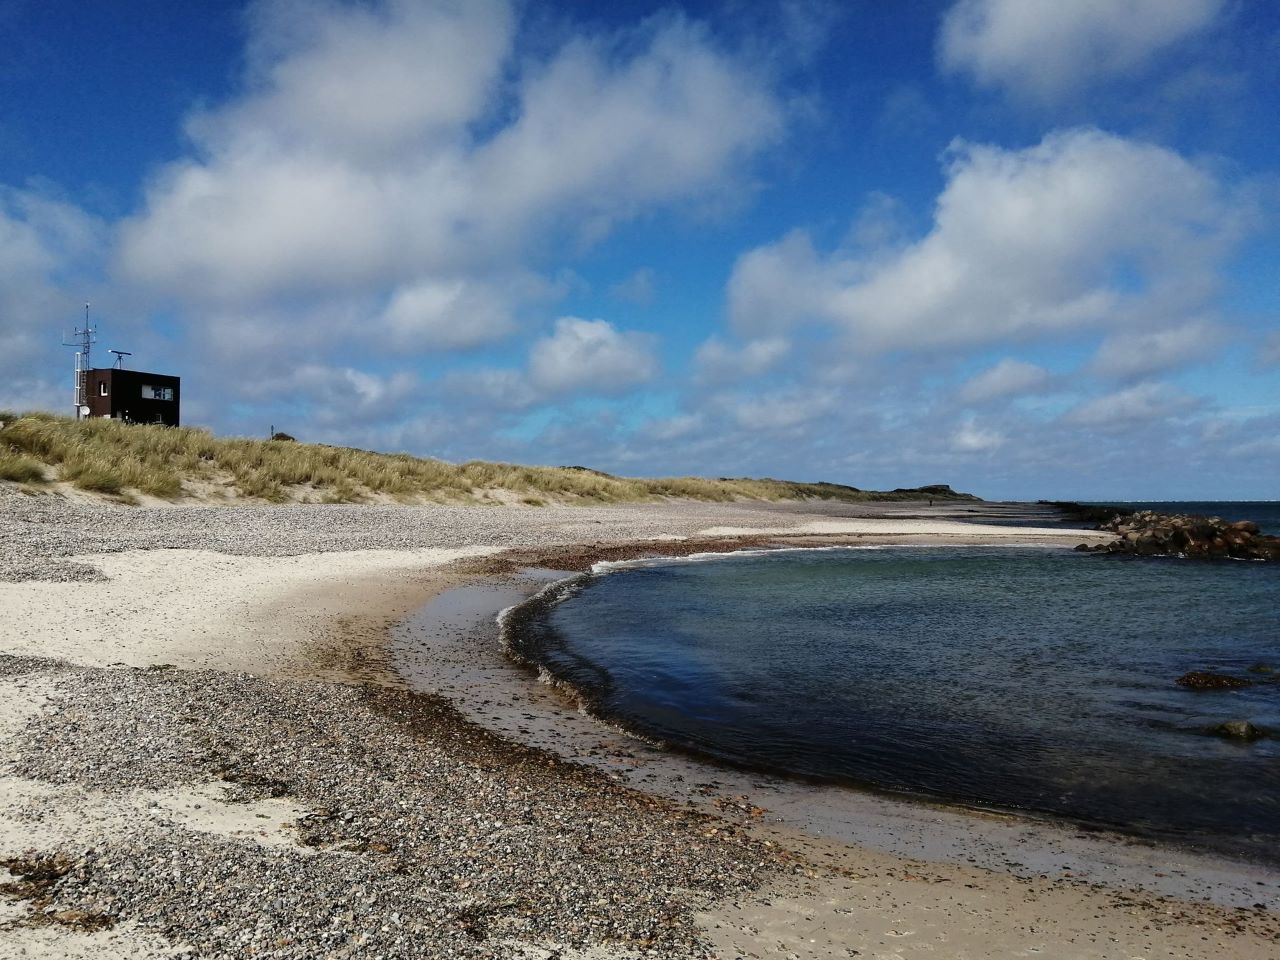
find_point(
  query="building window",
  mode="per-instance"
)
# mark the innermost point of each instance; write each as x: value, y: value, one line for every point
x: 102, y: 388
x: 156, y: 393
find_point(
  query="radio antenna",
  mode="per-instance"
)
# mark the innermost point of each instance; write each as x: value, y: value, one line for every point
x: 84, y: 338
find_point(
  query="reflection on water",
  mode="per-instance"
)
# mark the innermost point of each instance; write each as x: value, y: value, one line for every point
x: 1030, y: 678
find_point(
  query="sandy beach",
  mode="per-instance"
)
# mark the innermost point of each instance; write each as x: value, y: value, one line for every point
x: 290, y: 732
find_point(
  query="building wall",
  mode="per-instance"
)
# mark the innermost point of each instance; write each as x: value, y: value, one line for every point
x: 134, y: 396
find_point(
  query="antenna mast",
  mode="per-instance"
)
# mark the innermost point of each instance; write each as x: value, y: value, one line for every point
x: 84, y: 338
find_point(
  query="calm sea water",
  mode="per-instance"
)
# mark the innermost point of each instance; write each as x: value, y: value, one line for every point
x: 1029, y: 678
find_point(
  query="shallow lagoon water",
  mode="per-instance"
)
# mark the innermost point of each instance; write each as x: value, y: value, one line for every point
x: 1029, y: 678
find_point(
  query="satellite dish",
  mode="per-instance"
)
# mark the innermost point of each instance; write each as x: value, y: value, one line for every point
x: 84, y: 411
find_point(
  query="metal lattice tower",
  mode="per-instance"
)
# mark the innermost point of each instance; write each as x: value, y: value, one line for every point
x: 84, y: 338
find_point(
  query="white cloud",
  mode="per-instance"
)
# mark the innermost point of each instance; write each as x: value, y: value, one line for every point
x: 447, y: 314
x: 971, y: 438
x: 1086, y: 229
x: 592, y: 356
x: 503, y: 389
x: 674, y: 428
x: 578, y: 357
x: 368, y: 82
x: 376, y: 150
x: 342, y: 396
x: 1009, y: 377
x: 1045, y: 49
x: 718, y: 361
x: 44, y: 243
x: 1140, y: 354
x: 775, y: 286
x: 782, y: 409
x: 1137, y: 404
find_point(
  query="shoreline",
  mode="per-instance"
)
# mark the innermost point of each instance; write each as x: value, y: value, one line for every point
x: 511, y: 628
x: 284, y: 660
x: 519, y: 700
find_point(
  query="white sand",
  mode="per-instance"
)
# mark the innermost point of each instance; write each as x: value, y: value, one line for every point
x: 197, y: 609
x: 189, y: 608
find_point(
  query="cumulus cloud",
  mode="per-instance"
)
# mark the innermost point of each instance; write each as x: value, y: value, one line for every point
x: 343, y: 396
x: 718, y: 361
x: 1084, y: 230
x: 361, y: 81
x: 969, y: 437
x: 674, y: 428
x: 495, y: 388
x: 377, y: 149
x: 1141, y: 403
x: 45, y: 244
x: 42, y: 241
x: 591, y: 355
x: 782, y: 409
x: 1009, y: 377
x: 450, y: 314
x: 1045, y: 49
x: 1141, y: 354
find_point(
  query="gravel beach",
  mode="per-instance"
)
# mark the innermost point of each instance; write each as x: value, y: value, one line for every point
x: 204, y: 751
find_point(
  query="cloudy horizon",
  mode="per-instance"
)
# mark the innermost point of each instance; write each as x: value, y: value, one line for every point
x: 1025, y: 248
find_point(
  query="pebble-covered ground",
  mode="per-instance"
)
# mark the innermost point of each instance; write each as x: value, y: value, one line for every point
x: 38, y: 532
x: 424, y: 836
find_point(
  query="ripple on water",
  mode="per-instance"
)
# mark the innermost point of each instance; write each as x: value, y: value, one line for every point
x: 1029, y: 678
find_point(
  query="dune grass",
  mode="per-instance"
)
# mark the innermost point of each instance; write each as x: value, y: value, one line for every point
x: 114, y: 458
x: 19, y: 468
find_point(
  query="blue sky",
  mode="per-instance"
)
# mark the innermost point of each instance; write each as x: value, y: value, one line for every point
x: 1026, y: 247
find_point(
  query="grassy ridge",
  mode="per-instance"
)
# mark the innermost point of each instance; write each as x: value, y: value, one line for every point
x: 120, y: 459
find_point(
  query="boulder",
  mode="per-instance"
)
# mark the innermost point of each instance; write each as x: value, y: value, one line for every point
x: 1238, y: 730
x: 1208, y: 680
x: 1150, y: 534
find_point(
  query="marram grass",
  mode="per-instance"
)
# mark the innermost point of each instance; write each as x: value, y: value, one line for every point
x: 120, y: 459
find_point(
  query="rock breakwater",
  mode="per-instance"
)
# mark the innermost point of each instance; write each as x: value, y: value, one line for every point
x: 1151, y: 534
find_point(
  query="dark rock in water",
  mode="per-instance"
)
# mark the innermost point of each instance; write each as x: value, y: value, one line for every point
x: 1082, y: 547
x: 1262, y: 668
x: 1150, y: 534
x: 1207, y: 680
x: 1238, y: 730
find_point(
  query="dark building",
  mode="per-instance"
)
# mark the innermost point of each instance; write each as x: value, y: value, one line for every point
x: 133, y: 396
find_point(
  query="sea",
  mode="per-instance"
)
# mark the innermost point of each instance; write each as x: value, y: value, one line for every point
x: 1032, y: 679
